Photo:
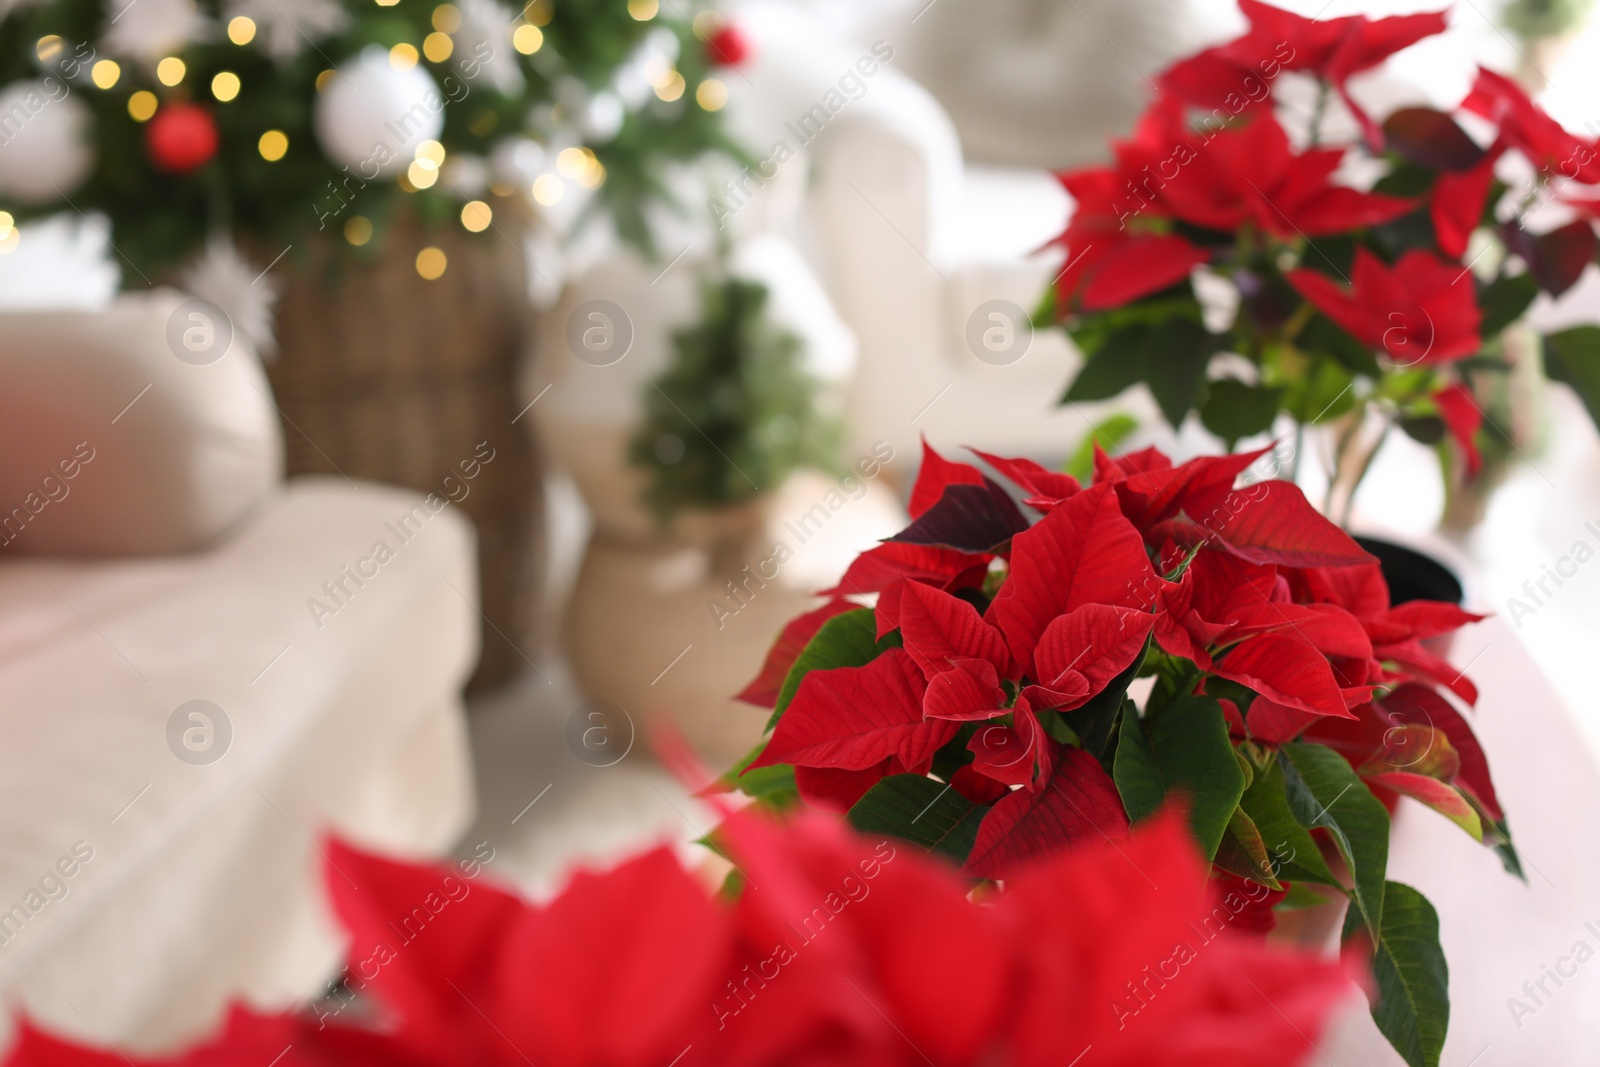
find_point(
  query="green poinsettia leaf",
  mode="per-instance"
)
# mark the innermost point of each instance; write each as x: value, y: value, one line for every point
x: 1244, y: 851
x: 1504, y: 300
x: 1293, y: 852
x: 1234, y: 410
x: 849, y: 639
x: 1323, y: 791
x: 1573, y: 356
x: 1411, y: 996
x: 921, y: 810
x: 1181, y: 754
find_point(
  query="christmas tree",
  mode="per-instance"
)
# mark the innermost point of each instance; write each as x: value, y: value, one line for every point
x: 735, y: 413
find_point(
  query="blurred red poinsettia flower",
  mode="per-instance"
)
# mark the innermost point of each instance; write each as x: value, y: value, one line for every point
x: 1234, y: 75
x: 1419, y: 311
x: 838, y: 950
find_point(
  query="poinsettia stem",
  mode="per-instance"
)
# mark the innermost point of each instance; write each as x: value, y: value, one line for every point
x: 1317, y: 111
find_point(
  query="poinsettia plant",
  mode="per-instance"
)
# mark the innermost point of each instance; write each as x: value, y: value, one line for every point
x: 1166, y: 633
x: 643, y: 967
x: 1224, y: 227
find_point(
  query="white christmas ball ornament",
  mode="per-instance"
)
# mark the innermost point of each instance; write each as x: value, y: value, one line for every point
x: 373, y: 117
x: 44, y: 145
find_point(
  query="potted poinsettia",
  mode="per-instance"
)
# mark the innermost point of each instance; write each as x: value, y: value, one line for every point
x: 1164, y: 633
x: 642, y: 966
x: 1223, y: 227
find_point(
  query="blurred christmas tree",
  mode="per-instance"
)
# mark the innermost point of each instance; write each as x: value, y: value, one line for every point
x: 735, y: 413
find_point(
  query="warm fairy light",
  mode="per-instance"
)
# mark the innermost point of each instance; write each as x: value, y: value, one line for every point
x: 431, y: 262
x: 272, y: 146
x: 527, y: 38
x: 225, y: 86
x: 105, y: 73
x: 142, y: 104
x: 9, y: 242
x: 358, y: 230
x: 547, y: 189
x: 241, y: 29
x: 403, y: 56
x: 7, y: 224
x: 476, y: 216
x: 437, y: 47
x: 431, y: 153
x: 447, y: 18
x: 422, y: 174
x: 323, y: 79
x: 571, y: 163
x: 48, y: 48
x: 170, y: 71
x: 670, y: 85
x: 595, y: 176
x: 539, y: 12
x: 643, y: 10
x: 711, y: 94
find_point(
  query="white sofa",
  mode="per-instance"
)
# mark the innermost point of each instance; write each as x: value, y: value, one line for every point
x: 911, y: 236
x: 154, y: 865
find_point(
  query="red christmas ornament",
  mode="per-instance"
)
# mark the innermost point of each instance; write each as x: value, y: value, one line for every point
x: 728, y: 47
x: 180, y: 139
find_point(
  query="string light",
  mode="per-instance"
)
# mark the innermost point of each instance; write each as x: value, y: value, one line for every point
x: 358, y: 230
x: 170, y: 71
x: 403, y: 56
x: 527, y: 38
x: 12, y: 238
x: 595, y: 176
x: 225, y: 86
x: 430, y: 152
x: 431, y: 263
x: 48, y: 48
x: 539, y: 12
x: 437, y: 47
x: 571, y: 163
x: 323, y: 79
x: 670, y: 85
x: 547, y: 189
x: 272, y: 146
x: 241, y: 29
x: 105, y: 73
x: 711, y: 95
x: 142, y: 105
x: 7, y: 224
x: 422, y: 174
x: 643, y: 10
x: 476, y: 216
x: 447, y: 18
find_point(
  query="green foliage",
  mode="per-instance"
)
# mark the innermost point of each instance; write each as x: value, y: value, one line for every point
x: 916, y: 808
x: 849, y: 639
x: 158, y: 220
x: 1534, y: 19
x: 1411, y: 1001
x: 1323, y: 791
x: 734, y: 413
x: 1181, y: 754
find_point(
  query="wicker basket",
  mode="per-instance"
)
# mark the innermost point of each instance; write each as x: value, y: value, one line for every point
x: 386, y: 376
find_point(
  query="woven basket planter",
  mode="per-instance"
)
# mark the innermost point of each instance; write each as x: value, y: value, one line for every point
x: 386, y: 376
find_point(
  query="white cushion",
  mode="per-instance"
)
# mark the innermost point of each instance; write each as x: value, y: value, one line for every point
x: 205, y: 882
x: 114, y: 445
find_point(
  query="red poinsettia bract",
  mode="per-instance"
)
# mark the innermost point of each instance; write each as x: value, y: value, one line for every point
x: 839, y: 950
